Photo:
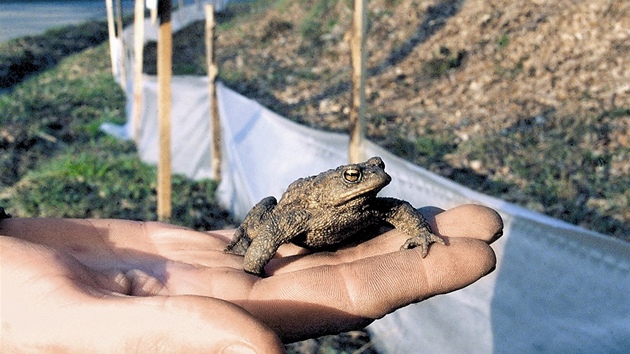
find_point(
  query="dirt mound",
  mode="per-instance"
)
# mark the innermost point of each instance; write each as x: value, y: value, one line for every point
x: 526, y: 101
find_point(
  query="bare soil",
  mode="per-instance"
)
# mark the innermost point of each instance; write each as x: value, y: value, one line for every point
x: 526, y: 101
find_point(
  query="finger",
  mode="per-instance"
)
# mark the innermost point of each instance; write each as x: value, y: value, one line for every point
x: 183, y: 324
x: 197, y: 324
x: 52, y: 232
x: 225, y: 236
x: 347, y: 295
x: 170, y: 237
x: 468, y: 220
x: 106, y: 238
x: 113, y: 281
x: 91, y: 240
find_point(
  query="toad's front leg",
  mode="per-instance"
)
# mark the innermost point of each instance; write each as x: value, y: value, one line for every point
x: 260, y: 252
x: 404, y: 217
x: 272, y: 234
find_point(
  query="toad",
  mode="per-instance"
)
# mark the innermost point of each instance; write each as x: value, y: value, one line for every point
x: 323, y: 210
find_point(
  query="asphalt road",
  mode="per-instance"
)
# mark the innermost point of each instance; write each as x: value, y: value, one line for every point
x: 22, y: 18
x: 19, y: 18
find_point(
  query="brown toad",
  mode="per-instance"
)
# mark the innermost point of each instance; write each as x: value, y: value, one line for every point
x: 324, y: 210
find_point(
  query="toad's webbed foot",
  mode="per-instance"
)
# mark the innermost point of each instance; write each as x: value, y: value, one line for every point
x: 423, y: 240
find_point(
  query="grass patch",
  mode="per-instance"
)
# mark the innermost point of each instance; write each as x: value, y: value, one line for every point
x: 86, y: 184
x: 110, y: 181
x: 57, y: 163
x: 22, y: 57
x: 503, y: 41
x: 60, y: 107
x: 441, y: 64
x: 554, y: 165
x: 319, y: 19
x: 424, y: 150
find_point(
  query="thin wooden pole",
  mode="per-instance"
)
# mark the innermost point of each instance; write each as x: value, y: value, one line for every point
x: 357, y: 107
x: 112, y: 35
x: 119, y: 26
x: 153, y: 10
x: 212, y: 68
x: 138, y: 52
x: 165, y: 73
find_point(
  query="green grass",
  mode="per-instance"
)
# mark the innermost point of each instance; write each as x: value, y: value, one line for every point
x: 503, y: 41
x: 319, y: 20
x: 426, y: 149
x: 556, y: 166
x: 441, y: 64
x: 57, y: 163
x: 22, y: 57
x: 86, y: 184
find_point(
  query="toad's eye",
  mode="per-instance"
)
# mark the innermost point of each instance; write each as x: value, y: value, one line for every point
x: 352, y: 175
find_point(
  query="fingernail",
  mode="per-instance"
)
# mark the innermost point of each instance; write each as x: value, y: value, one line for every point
x: 238, y: 348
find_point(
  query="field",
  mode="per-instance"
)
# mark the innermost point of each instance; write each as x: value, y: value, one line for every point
x: 527, y: 102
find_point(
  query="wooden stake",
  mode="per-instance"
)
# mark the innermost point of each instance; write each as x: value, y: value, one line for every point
x: 112, y: 35
x: 357, y: 107
x: 213, y: 71
x: 153, y: 10
x: 138, y: 36
x: 119, y: 26
x: 165, y: 73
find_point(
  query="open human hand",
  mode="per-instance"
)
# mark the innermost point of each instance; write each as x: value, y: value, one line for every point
x: 114, y: 285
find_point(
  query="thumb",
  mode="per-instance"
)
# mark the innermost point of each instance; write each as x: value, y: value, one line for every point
x: 190, y: 324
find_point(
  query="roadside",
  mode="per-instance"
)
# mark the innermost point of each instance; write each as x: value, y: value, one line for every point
x: 20, y: 19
